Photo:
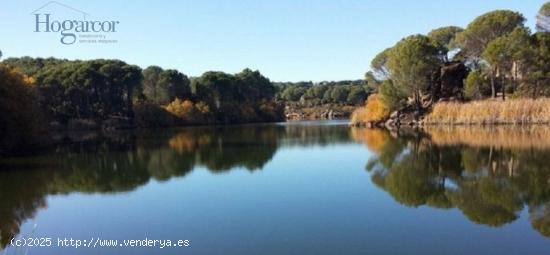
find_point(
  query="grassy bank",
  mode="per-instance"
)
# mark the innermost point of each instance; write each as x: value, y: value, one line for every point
x: 491, y: 112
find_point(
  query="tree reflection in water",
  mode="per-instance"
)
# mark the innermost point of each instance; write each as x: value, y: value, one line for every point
x: 490, y: 174
x: 121, y: 162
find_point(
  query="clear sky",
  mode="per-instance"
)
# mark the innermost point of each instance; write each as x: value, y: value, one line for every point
x: 287, y: 40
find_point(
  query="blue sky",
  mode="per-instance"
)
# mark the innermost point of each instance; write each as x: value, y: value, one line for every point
x: 287, y: 40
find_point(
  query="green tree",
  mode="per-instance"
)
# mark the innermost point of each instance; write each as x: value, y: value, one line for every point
x: 539, y: 75
x: 150, y: 79
x: 444, y: 38
x: 253, y: 86
x: 485, y: 28
x: 476, y: 85
x: 543, y: 18
x: 294, y: 93
x: 96, y: 89
x: 357, y: 95
x: 411, y: 62
x: 339, y: 94
x: 391, y: 95
x: 379, y: 65
x: 510, y: 54
x: 163, y: 86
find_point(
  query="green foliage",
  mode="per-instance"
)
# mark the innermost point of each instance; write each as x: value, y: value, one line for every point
x: 538, y: 72
x: 356, y: 95
x: 444, y: 38
x: 309, y: 94
x: 391, y: 95
x: 96, y: 89
x: 485, y: 28
x: 411, y: 62
x: 30, y: 66
x: 543, y: 18
x: 339, y: 94
x: 237, y: 98
x: 293, y: 93
x: 254, y: 86
x: 476, y: 85
x: 379, y: 65
x: 163, y: 86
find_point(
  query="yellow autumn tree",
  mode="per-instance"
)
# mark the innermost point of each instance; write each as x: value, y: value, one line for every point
x: 189, y: 112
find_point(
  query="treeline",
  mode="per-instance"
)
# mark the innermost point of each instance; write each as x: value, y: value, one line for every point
x: 495, y: 55
x: 111, y: 94
x: 307, y: 94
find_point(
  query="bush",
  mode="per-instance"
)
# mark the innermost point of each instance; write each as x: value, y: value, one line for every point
x: 375, y: 111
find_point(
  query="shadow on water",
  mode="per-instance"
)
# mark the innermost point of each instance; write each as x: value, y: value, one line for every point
x: 121, y: 162
x: 490, y: 174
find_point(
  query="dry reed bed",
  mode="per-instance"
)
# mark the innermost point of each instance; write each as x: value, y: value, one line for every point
x: 491, y: 112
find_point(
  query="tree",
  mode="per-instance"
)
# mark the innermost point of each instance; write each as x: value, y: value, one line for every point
x: 543, y: 18
x: 411, y: 63
x: 339, y: 94
x: 539, y: 74
x: 510, y: 54
x: 356, y: 95
x: 21, y: 124
x: 484, y: 29
x: 150, y: 79
x: 293, y: 93
x: 476, y: 85
x: 253, y: 86
x: 214, y: 88
x: 444, y: 38
x: 163, y: 86
x: 379, y: 65
x: 391, y: 95
x: 96, y: 89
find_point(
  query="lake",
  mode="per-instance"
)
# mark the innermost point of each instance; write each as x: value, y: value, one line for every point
x: 315, y: 187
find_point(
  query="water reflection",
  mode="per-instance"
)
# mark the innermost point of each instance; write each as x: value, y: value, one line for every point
x: 490, y: 174
x: 120, y: 162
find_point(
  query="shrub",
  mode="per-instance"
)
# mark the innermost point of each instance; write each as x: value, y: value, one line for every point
x: 374, y: 111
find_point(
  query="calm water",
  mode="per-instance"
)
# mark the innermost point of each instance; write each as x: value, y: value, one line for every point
x: 299, y: 188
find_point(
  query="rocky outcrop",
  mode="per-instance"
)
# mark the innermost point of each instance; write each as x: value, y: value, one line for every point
x: 449, y: 81
x: 407, y: 117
